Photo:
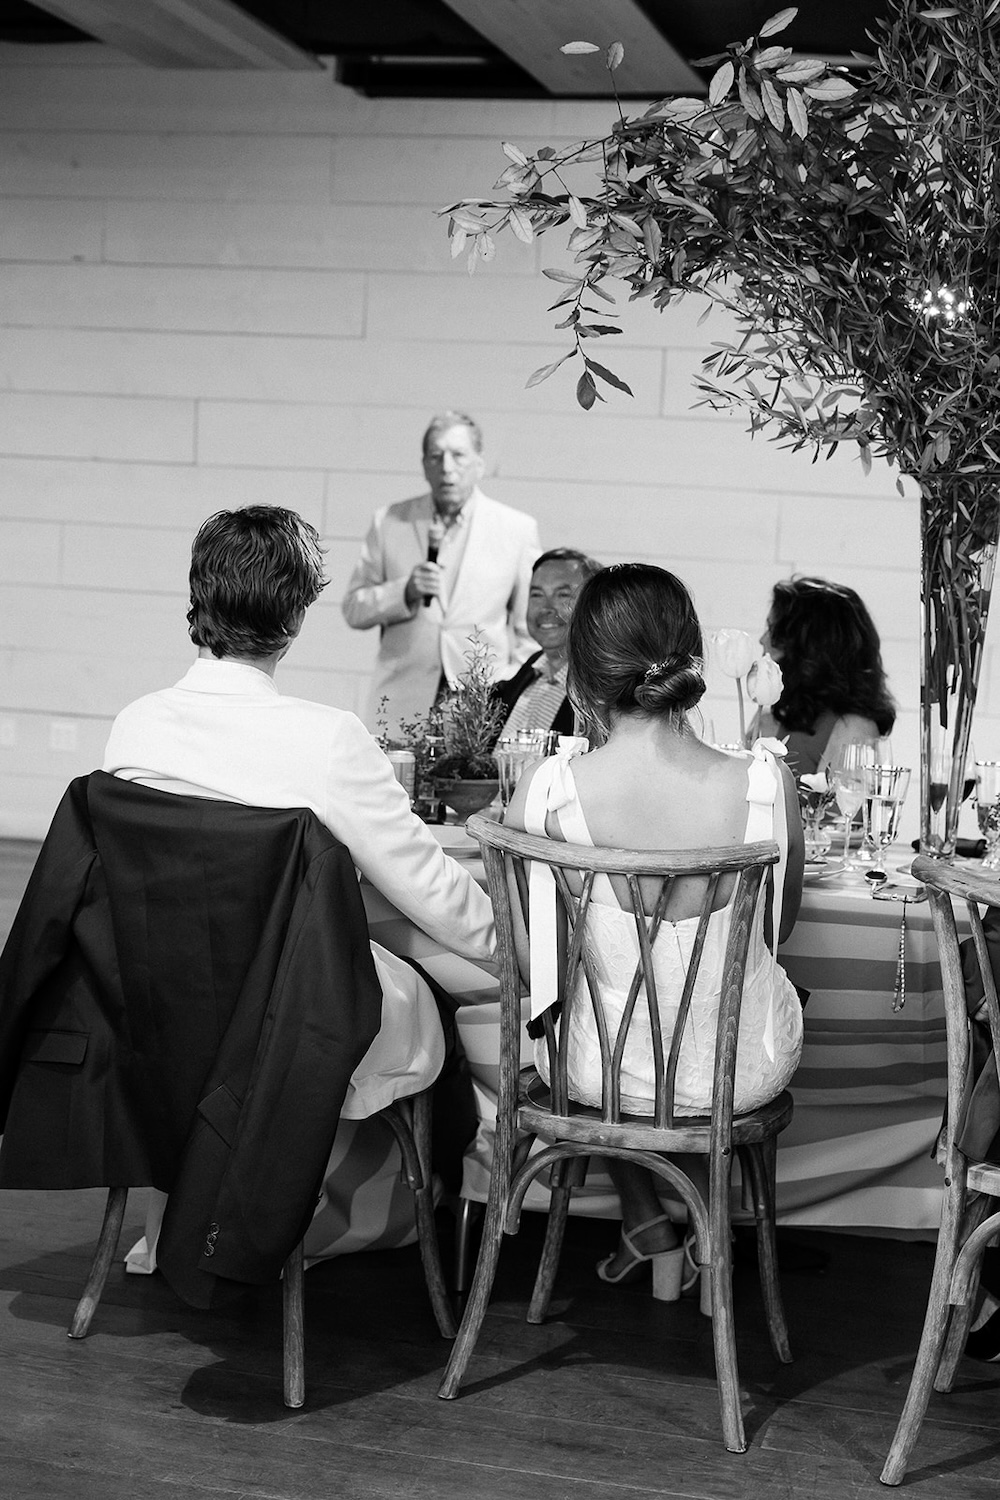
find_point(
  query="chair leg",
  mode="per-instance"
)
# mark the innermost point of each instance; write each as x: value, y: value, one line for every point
x: 114, y: 1213
x: 931, y: 1343
x: 293, y: 1328
x: 760, y: 1165
x: 564, y: 1177
x: 479, y: 1297
x: 723, y: 1330
x: 423, y: 1202
x: 468, y: 1212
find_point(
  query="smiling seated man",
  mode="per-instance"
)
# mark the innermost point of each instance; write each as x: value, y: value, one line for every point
x: 535, y: 697
x: 225, y: 731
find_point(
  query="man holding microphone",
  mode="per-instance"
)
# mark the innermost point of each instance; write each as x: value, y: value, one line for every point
x: 438, y: 567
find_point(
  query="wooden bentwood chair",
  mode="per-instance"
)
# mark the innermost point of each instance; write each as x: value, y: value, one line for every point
x: 253, y: 855
x: 572, y: 1132
x: 970, y: 1204
x: 410, y: 1122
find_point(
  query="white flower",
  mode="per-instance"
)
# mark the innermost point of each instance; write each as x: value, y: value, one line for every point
x: 764, y: 682
x: 734, y: 652
x: 817, y: 783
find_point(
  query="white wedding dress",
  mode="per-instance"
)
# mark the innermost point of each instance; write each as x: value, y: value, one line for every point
x: 770, y: 1034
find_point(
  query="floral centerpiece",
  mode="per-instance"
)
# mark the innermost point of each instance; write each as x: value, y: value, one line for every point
x: 816, y: 793
x: 850, y: 224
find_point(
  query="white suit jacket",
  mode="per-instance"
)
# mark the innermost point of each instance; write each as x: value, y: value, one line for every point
x: 490, y: 592
x: 225, y: 731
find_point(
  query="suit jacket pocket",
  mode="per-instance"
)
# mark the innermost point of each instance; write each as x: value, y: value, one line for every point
x: 221, y: 1109
x: 56, y: 1047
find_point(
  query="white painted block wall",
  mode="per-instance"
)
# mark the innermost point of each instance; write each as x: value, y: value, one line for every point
x: 224, y: 288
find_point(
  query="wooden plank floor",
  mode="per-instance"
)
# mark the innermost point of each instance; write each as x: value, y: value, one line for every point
x: 613, y: 1397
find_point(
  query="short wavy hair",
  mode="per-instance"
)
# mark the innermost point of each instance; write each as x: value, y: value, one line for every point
x: 445, y: 420
x: 830, y: 654
x: 588, y: 565
x: 253, y: 572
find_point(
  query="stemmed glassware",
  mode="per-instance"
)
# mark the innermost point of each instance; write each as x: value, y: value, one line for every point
x: 845, y: 773
x: 884, y: 789
x: 988, y: 810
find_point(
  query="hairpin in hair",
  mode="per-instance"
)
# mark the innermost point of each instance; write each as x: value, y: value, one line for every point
x: 655, y: 669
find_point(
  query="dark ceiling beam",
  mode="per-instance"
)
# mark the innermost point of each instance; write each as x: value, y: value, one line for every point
x: 182, y: 33
x: 530, y: 32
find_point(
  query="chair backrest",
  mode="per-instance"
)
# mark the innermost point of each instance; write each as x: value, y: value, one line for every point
x: 947, y: 884
x: 648, y: 877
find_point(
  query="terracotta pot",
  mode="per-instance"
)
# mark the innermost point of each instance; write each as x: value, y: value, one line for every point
x: 466, y: 796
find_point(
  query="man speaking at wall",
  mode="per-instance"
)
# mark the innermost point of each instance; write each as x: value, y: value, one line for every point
x: 434, y: 569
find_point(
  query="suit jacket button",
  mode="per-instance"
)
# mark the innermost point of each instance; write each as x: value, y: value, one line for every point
x: 210, y: 1239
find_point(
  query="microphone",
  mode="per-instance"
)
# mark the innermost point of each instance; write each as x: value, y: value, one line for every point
x: 434, y: 539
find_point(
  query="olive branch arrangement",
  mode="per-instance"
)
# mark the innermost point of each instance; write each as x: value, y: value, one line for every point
x: 849, y: 223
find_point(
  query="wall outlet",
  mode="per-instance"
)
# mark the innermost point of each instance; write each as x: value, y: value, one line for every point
x: 63, y: 734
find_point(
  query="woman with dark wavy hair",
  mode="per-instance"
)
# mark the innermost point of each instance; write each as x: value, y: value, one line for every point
x: 635, y: 672
x: 831, y: 663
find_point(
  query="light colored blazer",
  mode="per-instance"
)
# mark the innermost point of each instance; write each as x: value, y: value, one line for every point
x: 490, y: 592
x: 225, y: 731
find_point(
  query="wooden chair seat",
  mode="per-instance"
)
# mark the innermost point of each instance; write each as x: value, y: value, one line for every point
x: 970, y: 1203
x: 531, y: 1112
x: 535, y: 1114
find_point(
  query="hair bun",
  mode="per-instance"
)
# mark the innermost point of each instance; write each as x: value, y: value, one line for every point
x: 670, y: 687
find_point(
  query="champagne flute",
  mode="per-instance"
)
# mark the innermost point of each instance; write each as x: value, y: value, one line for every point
x: 884, y: 789
x: 988, y: 810
x: 848, y: 784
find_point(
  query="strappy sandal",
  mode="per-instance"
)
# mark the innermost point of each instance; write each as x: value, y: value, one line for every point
x: 668, y: 1265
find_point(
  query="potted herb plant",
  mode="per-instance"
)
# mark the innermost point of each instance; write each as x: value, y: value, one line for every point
x: 466, y: 775
x: 850, y: 224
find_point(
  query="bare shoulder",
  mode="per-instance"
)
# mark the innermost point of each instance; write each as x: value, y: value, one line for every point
x: 727, y: 768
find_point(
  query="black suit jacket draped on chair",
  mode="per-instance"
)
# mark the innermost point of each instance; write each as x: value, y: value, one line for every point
x: 187, y: 988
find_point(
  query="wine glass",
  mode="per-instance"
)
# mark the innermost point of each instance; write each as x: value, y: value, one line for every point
x: 988, y: 810
x: 848, y: 785
x: 884, y: 789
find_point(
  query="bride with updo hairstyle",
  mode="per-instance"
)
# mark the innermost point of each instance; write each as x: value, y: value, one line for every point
x: 635, y: 672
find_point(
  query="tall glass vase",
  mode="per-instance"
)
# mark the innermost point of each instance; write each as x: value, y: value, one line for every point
x: 959, y: 522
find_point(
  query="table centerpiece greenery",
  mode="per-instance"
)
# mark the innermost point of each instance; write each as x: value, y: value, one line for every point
x: 849, y: 221
x: 466, y: 776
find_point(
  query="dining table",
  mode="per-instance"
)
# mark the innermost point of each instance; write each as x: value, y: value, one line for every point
x: 870, y: 1087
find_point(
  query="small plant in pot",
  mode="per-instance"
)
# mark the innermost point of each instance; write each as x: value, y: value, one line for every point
x: 466, y: 775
